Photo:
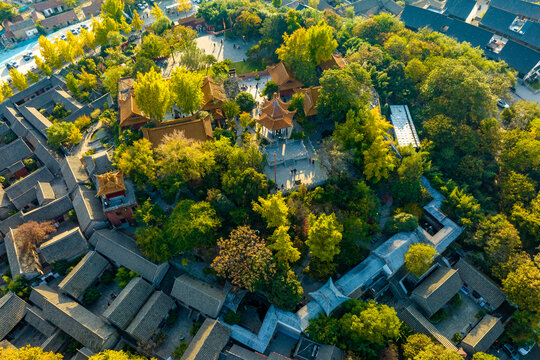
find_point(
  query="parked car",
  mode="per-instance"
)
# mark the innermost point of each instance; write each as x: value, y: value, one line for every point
x: 63, y: 37
x: 511, y: 351
x: 524, y: 350
x: 28, y: 56
x: 502, y: 104
x: 84, y: 26
x: 12, y: 65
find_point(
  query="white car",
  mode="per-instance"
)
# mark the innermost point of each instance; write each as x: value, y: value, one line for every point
x: 524, y: 350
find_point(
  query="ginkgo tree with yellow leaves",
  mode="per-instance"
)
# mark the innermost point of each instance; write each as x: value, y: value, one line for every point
x: 152, y: 94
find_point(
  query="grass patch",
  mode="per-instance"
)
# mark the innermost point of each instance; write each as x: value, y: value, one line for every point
x: 245, y: 67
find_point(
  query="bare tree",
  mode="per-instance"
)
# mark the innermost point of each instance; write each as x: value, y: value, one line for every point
x: 29, y: 235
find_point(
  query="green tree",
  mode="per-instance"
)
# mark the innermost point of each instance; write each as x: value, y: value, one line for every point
x: 247, y: 24
x: 156, y: 11
x: 137, y: 161
x: 369, y: 322
x: 244, y: 259
x: 192, y: 57
x: 273, y: 209
x: 32, y: 77
x: 116, y: 355
x: 401, y: 222
x: 110, y: 78
x: 269, y: 89
x: 520, y: 114
x: 524, y: 328
x: 63, y: 133
x: 124, y: 276
x: 153, y: 47
x: 161, y: 25
x: 245, y: 101
x: 522, y: 286
x: 192, y: 225
x: 282, y: 245
x: 230, y: 109
x: 152, y: 94
x: 7, y: 11
x: 43, y: 66
x: 304, y: 49
x: 324, y: 329
x: 87, y: 80
x: 276, y: 3
x: 28, y: 353
x: 484, y: 356
x: 324, y: 236
x: 244, y: 186
x: 186, y: 89
x: 516, y: 187
x: 463, y: 206
x: 284, y: 290
x: 419, y: 258
x: 18, y: 79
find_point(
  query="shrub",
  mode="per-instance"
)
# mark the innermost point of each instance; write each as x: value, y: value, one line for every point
x: 19, y: 286
x: 9, y: 137
x: 401, y: 222
x: 233, y: 318
x: 480, y: 314
x: 91, y: 296
x: 456, y: 301
x: 173, y: 316
x: 83, y: 122
x: 108, y: 277
x: 439, y: 316
x: 179, y: 350
x: 195, y: 328
x: 246, y: 101
x: 457, y: 337
x: 124, y: 276
x: 30, y: 165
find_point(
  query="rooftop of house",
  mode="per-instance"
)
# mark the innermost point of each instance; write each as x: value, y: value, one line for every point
x: 208, y: 342
x: 335, y: 62
x: 64, y: 246
x: 483, y: 335
x: 150, y: 316
x: 213, y: 93
x: 191, y: 127
x: 283, y: 77
x: 12, y: 311
x: 437, y: 289
x: 84, y: 274
x: 311, y: 97
x: 199, y: 295
x: 110, y: 182
x: 275, y: 114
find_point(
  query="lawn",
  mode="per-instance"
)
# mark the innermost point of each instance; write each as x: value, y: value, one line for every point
x: 245, y: 67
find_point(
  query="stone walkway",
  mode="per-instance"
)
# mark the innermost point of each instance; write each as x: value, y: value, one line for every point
x: 223, y: 48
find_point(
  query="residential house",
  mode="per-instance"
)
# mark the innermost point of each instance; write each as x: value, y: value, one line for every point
x: 24, y: 191
x: 13, y: 152
x: 57, y: 21
x: 66, y: 245
x: 437, y: 289
x: 460, y: 9
x: 213, y: 98
x: 93, y: 9
x: 20, y: 28
x: 208, y: 342
x: 128, y: 303
x: 199, y: 295
x: 74, y: 319
x: 123, y: 251
x: 84, y: 275
x: 191, y: 127
x: 483, y: 335
x: 276, y: 119
x: 73, y: 173
x: 21, y: 262
x: 335, y: 62
x: 49, y: 7
x: 89, y: 211
x: 117, y: 197
x: 35, y: 318
x: 150, y: 317
x: 44, y: 193
x: 527, y: 9
x: 284, y: 78
x: 12, y: 311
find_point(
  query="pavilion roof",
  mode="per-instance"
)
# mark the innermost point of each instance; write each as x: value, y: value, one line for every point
x: 110, y: 182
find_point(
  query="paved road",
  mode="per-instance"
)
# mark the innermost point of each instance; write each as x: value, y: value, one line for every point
x: 17, y: 54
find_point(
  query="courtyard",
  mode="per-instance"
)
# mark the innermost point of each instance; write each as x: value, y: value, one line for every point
x: 223, y: 48
x: 461, y: 319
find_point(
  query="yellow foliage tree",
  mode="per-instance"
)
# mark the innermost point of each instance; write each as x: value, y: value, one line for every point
x: 18, y: 79
x: 28, y: 353
x: 184, y: 5
x: 156, y: 11
x: 152, y: 94
x: 136, y: 24
x: 283, y: 246
x: 49, y: 52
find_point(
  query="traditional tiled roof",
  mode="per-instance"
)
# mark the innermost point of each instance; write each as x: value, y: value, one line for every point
x: 127, y: 304
x: 89, y: 210
x: 519, y: 57
x: 66, y: 245
x: 60, y: 19
x: 12, y: 310
x: 50, y: 211
x: 311, y: 96
x: 336, y: 61
x: 20, y: 263
x: 34, y: 317
x: 73, y: 172
x: 480, y: 283
x: 99, y: 163
x: 209, y: 341
x: 460, y: 9
x: 92, y: 9
x: 328, y: 297
x: 437, y: 289
x: 44, y: 192
x: 122, y: 250
x: 84, y: 274
x: 48, y: 4
x: 24, y: 191
x: 199, y: 295
x: 150, y: 316
x: 501, y: 21
x: 483, y: 335
x: 13, y: 152
x: 191, y: 127
x: 125, y: 86
x: 213, y: 94
x: 130, y: 114
x: 275, y: 114
x: 74, y: 319
x: 283, y: 77
x: 110, y: 182
x: 518, y: 7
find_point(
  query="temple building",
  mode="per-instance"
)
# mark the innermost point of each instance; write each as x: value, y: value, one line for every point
x: 192, y: 127
x: 129, y: 112
x: 284, y: 79
x: 117, y: 197
x: 311, y: 96
x: 335, y: 62
x: 213, y: 98
x: 276, y: 119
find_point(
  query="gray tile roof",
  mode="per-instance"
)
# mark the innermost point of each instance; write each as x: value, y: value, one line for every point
x: 459, y: 8
x: 122, y: 250
x: 208, y: 342
x: 437, y: 289
x: 28, y: 184
x: 89, y: 210
x: 126, y: 305
x: 48, y: 158
x: 519, y: 57
x: 483, y: 335
x: 12, y: 310
x: 239, y: 353
x: 44, y: 193
x: 74, y: 319
x: 150, y: 317
x: 73, y: 172
x: 51, y: 211
x: 84, y: 274
x: 480, y: 283
x: 99, y: 163
x: 518, y: 7
x: 34, y: 317
x: 500, y: 21
x: 19, y: 265
x: 199, y: 295
x: 13, y: 152
x: 66, y: 245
